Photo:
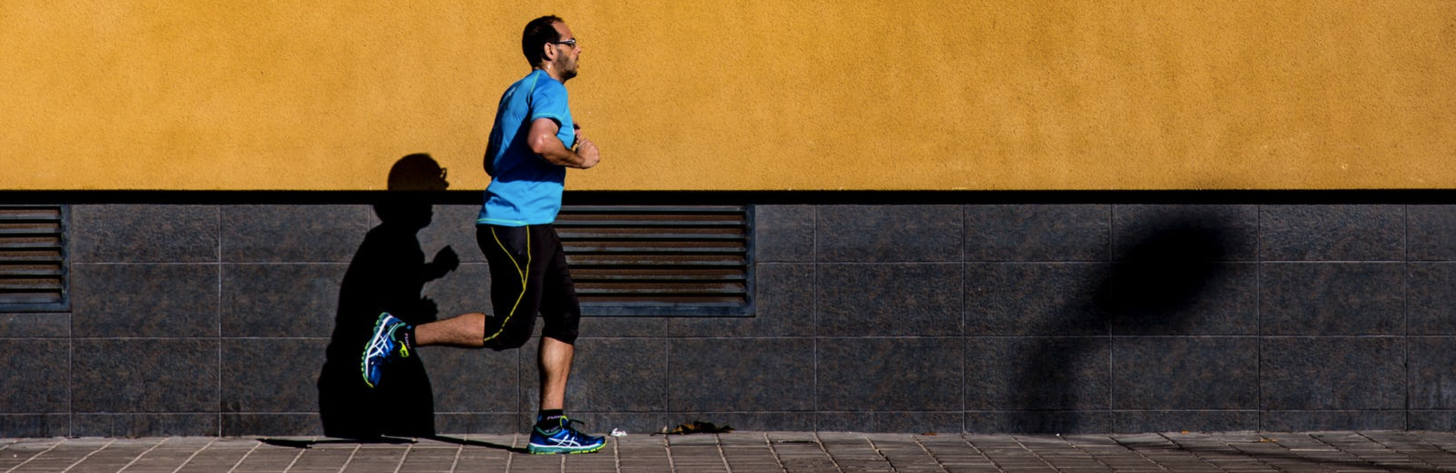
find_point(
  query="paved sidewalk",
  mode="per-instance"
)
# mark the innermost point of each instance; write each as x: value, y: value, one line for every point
x: 1406, y: 452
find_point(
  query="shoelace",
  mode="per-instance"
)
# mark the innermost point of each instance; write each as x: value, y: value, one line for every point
x: 566, y: 423
x: 573, y: 437
x: 379, y: 347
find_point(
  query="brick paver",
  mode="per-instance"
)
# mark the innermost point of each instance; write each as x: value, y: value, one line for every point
x: 1399, y: 452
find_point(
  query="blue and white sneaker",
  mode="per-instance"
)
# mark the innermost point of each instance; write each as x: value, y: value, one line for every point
x: 563, y: 439
x: 383, y: 347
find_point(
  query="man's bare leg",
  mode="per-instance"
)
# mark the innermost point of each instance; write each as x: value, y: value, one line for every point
x: 555, y: 363
x: 467, y: 331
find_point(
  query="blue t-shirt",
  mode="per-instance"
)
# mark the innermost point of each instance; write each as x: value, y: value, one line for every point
x: 525, y: 189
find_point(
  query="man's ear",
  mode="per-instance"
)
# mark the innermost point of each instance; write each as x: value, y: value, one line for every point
x: 549, y: 53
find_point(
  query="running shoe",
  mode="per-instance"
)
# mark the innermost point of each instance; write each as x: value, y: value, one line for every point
x: 563, y: 439
x: 383, y: 346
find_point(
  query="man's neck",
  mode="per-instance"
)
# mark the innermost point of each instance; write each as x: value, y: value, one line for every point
x: 550, y: 72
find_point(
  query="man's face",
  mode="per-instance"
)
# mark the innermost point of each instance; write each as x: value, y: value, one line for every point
x: 566, y: 54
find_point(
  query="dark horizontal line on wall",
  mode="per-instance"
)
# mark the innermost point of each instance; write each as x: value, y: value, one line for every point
x: 851, y: 197
x: 1160, y: 410
x: 187, y: 338
x: 107, y: 413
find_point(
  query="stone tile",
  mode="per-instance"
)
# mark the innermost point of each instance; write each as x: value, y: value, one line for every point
x: 1216, y: 299
x: 1292, y: 421
x: 145, y: 300
x: 889, y: 233
x: 1332, y: 298
x: 253, y: 423
x: 608, y: 375
x: 1336, y: 373
x: 292, y: 233
x: 35, y: 425
x: 1431, y: 420
x: 783, y: 233
x: 452, y: 225
x: 1037, y: 232
x: 476, y: 423
x: 271, y: 375
x: 145, y: 376
x: 889, y: 374
x: 890, y: 299
x: 1143, y: 233
x: 1038, y: 422
x: 753, y: 421
x: 42, y: 325
x: 1431, y: 293
x: 784, y: 308
x: 1431, y: 377
x: 601, y: 423
x: 36, y: 376
x: 653, y: 327
x: 1431, y: 232
x: 735, y: 375
x: 1185, y: 373
x: 1065, y: 299
x: 1015, y: 373
x: 1185, y: 421
x: 280, y: 300
x: 147, y: 233
x: 920, y: 422
x: 845, y: 421
x: 464, y: 290
x: 473, y: 381
x: 1332, y: 233
x: 145, y: 425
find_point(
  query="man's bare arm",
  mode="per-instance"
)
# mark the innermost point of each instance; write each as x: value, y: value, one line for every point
x: 543, y: 141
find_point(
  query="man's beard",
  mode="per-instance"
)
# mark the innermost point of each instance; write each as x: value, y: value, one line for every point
x: 566, y: 69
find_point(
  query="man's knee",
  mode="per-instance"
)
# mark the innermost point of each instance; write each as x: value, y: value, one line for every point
x: 508, y: 341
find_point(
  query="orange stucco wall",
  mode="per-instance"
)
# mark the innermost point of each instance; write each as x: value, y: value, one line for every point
x: 748, y: 94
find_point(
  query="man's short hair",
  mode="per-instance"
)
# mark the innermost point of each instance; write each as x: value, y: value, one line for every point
x: 539, y: 32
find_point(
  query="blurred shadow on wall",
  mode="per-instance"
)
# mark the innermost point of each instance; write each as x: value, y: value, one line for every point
x: 388, y: 274
x: 1154, y: 284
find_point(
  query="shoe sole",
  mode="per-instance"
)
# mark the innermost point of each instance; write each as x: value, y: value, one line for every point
x: 567, y: 450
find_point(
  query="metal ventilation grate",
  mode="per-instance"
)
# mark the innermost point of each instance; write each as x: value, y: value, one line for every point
x: 32, y: 258
x: 658, y: 260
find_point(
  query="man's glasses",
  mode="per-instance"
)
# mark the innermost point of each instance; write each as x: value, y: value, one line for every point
x: 569, y: 42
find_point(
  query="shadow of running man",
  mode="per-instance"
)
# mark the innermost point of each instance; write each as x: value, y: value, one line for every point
x: 388, y: 274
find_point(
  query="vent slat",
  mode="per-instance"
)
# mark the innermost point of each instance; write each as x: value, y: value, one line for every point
x: 658, y: 289
x: 647, y: 223
x: 593, y: 234
x: 696, y: 301
x: 651, y: 260
x: 647, y: 209
x: 628, y: 274
x: 38, y: 230
x: 608, y: 248
x: 39, y: 285
x: 31, y: 297
x: 29, y: 273
x: 10, y: 215
x: 30, y: 259
x: 29, y: 245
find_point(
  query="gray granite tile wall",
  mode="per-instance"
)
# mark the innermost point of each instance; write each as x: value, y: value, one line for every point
x: 220, y: 319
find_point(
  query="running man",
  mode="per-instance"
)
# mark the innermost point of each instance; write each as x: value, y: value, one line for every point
x: 531, y: 144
